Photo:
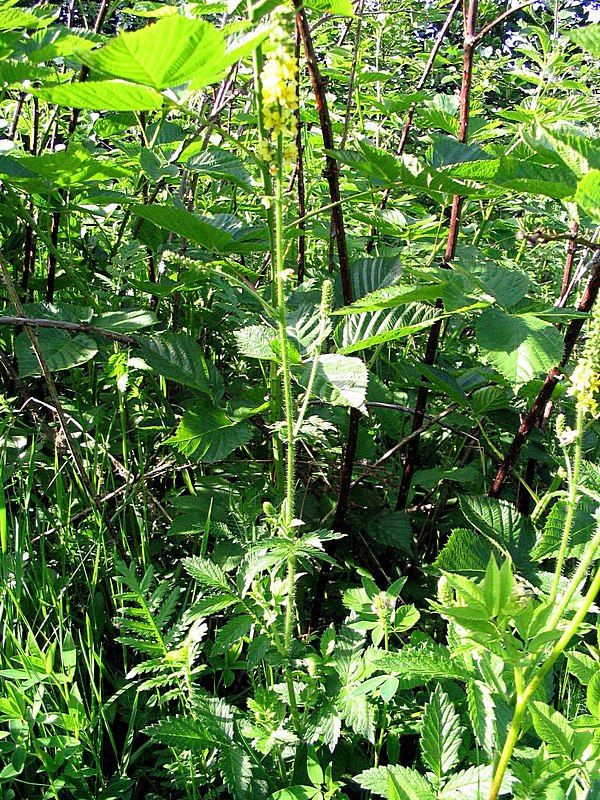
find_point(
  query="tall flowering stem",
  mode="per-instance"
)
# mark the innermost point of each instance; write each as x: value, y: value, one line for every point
x: 278, y: 151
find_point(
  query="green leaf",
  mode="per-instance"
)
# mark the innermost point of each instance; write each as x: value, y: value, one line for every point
x: 69, y: 168
x: 339, y: 380
x: 254, y: 341
x: 587, y: 195
x: 181, y: 733
x: 177, y: 357
x: 497, y: 586
x: 102, y: 96
x: 466, y: 551
x: 441, y: 734
x: 126, y: 321
x: 482, y: 714
x: 231, y: 633
x: 473, y: 783
x: 295, y: 793
x: 521, y: 347
x: 583, y: 525
x: 583, y: 666
x: 12, y: 19
x: 370, y: 274
x: 207, y: 573
x: 418, y: 665
x: 369, y: 329
x: 60, y: 350
x: 236, y: 768
x: 502, y: 524
x: 201, y: 230
x: 588, y: 38
x: 341, y: 7
x: 207, y: 434
x: 173, y: 51
x: 217, y: 163
x: 552, y: 728
x: 393, y: 296
x: 407, y: 783
x: 593, y: 694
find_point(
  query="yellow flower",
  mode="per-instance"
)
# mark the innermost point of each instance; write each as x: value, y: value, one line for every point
x: 279, y: 80
x: 585, y: 384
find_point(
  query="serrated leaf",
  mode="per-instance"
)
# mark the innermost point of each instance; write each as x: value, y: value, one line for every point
x: 60, y: 350
x: 207, y: 573
x: 408, y: 783
x: 182, y: 733
x: 341, y: 7
x: 72, y: 167
x: 236, y: 769
x: 207, y: 434
x: 588, y: 38
x: 370, y: 274
x: 593, y: 694
x: 416, y: 666
x: 587, y: 195
x: 339, y: 380
x: 465, y: 551
x: 583, y: 525
x: 215, y: 162
x: 583, y: 666
x: 171, y: 52
x: 502, y: 524
x: 441, y: 734
x: 369, y: 329
x: 231, y: 633
x: 393, y: 296
x: 552, y: 728
x: 201, y: 230
x: 254, y: 341
x: 472, y: 784
x: 482, y: 716
x: 521, y: 347
x: 126, y: 321
x: 177, y: 357
x: 102, y: 96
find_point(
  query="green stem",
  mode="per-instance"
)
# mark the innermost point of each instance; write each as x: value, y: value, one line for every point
x: 571, y: 503
x: 525, y: 697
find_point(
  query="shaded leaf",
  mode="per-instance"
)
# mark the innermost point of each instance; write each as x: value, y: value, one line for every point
x: 207, y: 434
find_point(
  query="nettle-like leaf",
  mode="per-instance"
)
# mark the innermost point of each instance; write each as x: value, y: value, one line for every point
x: 482, y: 714
x: 255, y: 341
x: 466, y: 551
x: 394, y: 296
x: 406, y: 784
x: 177, y: 357
x: 201, y: 230
x: 583, y: 526
x: 60, y: 350
x: 102, y: 96
x: 521, y: 347
x: 593, y: 694
x: 552, y: 728
x: 182, y: 733
x: 587, y: 195
x: 215, y: 162
x: 582, y: 665
x: 416, y: 666
x: 503, y: 525
x: 206, y: 433
x: 208, y: 574
x: 588, y: 38
x: 473, y: 784
x: 340, y: 380
x: 441, y: 734
x: 370, y: 274
x: 359, y: 331
x: 236, y: 768
x: 171, y: 52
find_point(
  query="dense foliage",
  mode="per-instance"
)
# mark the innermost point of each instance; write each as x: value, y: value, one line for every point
x: 299, y: 371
